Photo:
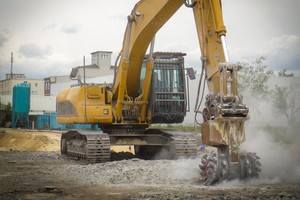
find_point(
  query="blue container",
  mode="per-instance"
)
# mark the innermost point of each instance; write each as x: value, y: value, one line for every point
x: 21, y: 105
x: 42, y: 122
x: 53, y: 123
x: 21, y: 98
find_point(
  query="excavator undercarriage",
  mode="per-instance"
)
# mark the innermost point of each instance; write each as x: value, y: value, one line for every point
x: 94, y: 146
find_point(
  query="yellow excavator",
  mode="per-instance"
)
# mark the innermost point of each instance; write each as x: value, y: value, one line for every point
x: 149, y: 89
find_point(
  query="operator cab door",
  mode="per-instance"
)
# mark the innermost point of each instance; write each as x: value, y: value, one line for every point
x: 168, y: 99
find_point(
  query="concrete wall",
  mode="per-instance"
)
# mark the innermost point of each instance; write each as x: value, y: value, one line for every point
x: 37, y: 86
x: 103, y: 60
x: 38, y: 103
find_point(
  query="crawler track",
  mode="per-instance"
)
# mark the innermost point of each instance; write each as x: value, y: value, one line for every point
x: 93, y: 146
x: 185, y: 145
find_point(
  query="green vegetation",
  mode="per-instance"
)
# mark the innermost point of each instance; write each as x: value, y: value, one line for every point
x: 7, y: 112
x: 184, y: 128
x: 252, y: 80
x: 7, y: 107
x: 284, y: 100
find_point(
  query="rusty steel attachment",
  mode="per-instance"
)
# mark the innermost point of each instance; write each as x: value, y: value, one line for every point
x: 224, y: 116
x: 216, y: 168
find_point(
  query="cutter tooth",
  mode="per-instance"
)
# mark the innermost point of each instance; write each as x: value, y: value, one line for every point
x: 224, y: 163
x: 210, y: 171
x: 249, y: 171
x: 223, y: 173
x: 214, y: 154
x: 215, y: 160
x: 202, y: 166
x: 247, y: 162
x: 257, y: 163
x: 203, y: 173
x: 202, y: 161
x: 256, y: 156
x: 211, y: 165
x: 209, y: 158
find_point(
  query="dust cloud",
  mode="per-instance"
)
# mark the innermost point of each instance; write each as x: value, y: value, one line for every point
x: 185, y: 169
x: 275, y: 141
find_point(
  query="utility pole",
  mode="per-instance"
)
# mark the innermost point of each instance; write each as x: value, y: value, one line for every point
x: 84, y: 85
x: 11, y: 65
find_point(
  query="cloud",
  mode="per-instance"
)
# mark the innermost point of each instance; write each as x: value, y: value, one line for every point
x: 279, y: 45
x: 52, y: 65
x: 4, y: 36
x: 50, y: 26
x: 71, y: 28
x: 283, y: 52
x: 33, y: 51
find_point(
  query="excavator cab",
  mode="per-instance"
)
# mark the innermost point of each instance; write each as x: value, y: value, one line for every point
x: 168, y: 98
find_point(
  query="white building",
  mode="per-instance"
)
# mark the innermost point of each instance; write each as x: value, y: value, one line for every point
x: 100, y: 66
x: 39, y: 103
x: 99, y: 71
x: 36, y: 85
x: 103, y: 60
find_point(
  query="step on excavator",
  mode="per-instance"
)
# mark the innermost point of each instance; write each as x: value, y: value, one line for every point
x: 150, y: 89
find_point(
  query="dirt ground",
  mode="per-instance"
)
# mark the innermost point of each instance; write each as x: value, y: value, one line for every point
x: 31, y: 167
x: 29, y: 140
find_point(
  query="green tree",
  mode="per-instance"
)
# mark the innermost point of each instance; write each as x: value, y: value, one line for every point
x: 7, y: 107
x: 253, y: 76
x: 285, y: 102
x: 283, y: 73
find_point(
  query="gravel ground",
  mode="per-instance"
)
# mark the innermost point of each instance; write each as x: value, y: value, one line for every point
x: 25, y: 174
x: 47, y: 175
x: 135, y: 172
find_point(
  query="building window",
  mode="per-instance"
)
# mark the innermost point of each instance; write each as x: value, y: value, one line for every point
x: 36, y: 84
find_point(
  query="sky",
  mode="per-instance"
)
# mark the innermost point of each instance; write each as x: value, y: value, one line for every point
x: 49, y: 37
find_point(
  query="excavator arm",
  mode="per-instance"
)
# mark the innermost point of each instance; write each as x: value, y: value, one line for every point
x: 224, y: 113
